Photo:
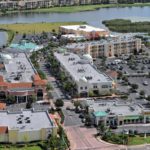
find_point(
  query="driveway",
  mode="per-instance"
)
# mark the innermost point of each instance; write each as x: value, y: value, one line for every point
x: 82, y: 138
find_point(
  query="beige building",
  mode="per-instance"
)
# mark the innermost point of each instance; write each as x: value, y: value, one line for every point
x: 89, y: 32
x: 108, y: 48
x: 26, y: 126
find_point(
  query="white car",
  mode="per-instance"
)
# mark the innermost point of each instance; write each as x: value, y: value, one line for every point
x: 145, y: 83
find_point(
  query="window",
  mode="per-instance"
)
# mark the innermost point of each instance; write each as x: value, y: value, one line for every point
x: 95, y: 86
x: 86, y: 87
x: 104, y: 86
x: 81, y: 88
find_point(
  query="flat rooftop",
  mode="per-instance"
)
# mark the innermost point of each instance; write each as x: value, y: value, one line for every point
x: 82, y: 45
x: 25, y: 120
x: 17, y: 68
x: 115, y: 107
x: 85, y: 28
x: 79, y: 70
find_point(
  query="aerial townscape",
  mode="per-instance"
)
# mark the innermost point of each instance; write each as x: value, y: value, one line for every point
x: 74, y: 74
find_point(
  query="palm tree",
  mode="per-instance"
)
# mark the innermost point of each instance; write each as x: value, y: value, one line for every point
x: 101, y: 129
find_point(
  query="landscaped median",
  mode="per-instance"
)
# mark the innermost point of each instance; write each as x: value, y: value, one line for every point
x: 26, y: 147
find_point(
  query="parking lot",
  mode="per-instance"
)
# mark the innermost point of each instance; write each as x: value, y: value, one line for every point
x: 137, y: 64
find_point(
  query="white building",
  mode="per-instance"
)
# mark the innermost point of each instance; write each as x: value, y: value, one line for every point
x: 82, y: 72
x: 87, y: 31
x: 25, y: 126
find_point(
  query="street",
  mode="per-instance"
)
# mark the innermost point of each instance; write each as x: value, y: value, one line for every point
x: 57, y: 93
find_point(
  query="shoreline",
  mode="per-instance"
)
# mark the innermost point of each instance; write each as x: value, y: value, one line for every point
x: 74, y: 9
x: 32, y: 28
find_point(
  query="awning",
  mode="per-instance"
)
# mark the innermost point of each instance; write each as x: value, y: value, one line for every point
x: 131, y: 117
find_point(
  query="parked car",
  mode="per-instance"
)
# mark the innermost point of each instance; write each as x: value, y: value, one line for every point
x: 81, y: 116
x: 145, y: 83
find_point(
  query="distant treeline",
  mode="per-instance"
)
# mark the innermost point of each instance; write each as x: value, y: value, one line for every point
x: 132, y: 1
x: 122, y: 25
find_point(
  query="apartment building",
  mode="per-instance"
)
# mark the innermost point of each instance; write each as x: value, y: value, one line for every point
x: 117, y: 112
x: 89, y: 32
x: 87, y: 78
x: 26, y: 126
x: 18, y: 78
x: 108, y: 48
x: 8, y: 4
x: 26, y: 4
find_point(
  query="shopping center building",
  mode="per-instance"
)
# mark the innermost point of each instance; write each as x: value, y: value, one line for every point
x: 80, y: 71
x: 89, y: 32
x: 117, y: 112
x: 19, y: 78
x: 26, y: 126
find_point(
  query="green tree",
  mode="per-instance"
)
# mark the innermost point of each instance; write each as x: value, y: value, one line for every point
x: 142, y: 92
x: 134, y: 86
x: 88, y: 120
x: 59, y: 103
x: 101, y: 129
x: 77, y: 104
x: 10, y: 99
x: 48, y: 87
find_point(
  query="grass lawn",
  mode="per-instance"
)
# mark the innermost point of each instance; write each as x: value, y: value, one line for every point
x: 137, y: 140
x: 71, y: 9
x: 36, y: 27
x: 24, y: 148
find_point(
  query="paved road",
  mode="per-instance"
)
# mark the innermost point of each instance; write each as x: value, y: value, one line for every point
x: 71, y: 118
x: 82, y: 138
x: 57, y: 93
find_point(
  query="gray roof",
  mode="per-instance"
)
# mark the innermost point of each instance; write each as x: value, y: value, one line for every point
x: 116, y: 107
x: 25, y: 120
x: 78, y: 70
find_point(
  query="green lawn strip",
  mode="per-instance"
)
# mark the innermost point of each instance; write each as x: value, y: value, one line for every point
x: 22, y: 148
x: 137, y: 140
x: 71, y: 9
x: 32, y: 28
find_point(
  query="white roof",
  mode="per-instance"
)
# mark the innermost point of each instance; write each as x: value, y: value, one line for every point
x: 72, y: 36
x: 87, y: 56
x: 5, y: 56
x: 26, y: 120
x: 79, y: 71
x: 85, y: 28
x: 19, y: 65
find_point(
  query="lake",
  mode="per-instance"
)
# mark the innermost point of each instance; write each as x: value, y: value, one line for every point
x: 94, y: 18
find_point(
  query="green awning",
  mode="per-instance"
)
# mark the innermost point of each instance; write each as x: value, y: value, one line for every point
x: 131, y: 117
x: 100, y: 114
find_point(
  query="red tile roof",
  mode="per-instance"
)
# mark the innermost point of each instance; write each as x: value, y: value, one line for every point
x: 1, y: 79
x: 3, y: 129
x: 20, y: 85
x: 2, y: 106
